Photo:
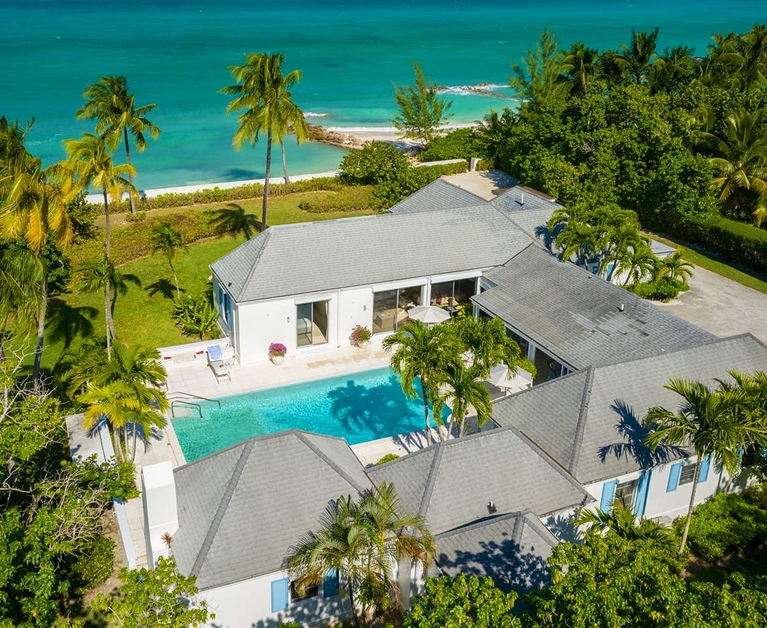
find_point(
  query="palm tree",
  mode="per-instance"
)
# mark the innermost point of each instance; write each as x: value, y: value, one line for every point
x: 166, y: 240
x: 675, y: 268
x: 622, y: 521
x: 463, y: 388
x: 126, y: 387
x: 487, y: 344
x: 90, y: 159
x: 637, y: 263
x: 573, y: 234
x: 712, y: 423
x: 97, y: 275
x: 635, y: 60
x: 111, y: 103
x: 22, y: 281
x: 264, y: 94
x: 740, y: 163
x: 34, y: 207
x: 673, y: 68
x: 363, y: 540
x: 424, y: 353
x: 581, y: 67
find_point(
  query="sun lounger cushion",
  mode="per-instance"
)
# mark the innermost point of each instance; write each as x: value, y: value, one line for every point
x: 214, y: 352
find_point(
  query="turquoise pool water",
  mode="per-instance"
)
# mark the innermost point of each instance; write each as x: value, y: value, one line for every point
x: 359, y: 407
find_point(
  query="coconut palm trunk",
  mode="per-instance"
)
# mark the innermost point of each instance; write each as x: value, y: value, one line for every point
x: 175, y: 278
x: 425, y: 391
x: 130, y: 176
x: 692, y: 504
x: 284, y: 163
x: 266, y: 179
x: 40, y: 334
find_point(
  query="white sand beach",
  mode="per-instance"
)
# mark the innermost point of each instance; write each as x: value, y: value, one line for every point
x: 357, y: 136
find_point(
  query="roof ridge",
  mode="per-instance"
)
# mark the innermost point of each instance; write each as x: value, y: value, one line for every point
x: 303, y: 436
x: 226, y: 498
x: 267, y: 236
x: 484, y: 522
x: 431, y: 480
x: 536, y: 524
x: 582, y: 415
x: 550, y: 461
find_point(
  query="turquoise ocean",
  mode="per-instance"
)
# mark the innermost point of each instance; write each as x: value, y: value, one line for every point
x: 176, y: 53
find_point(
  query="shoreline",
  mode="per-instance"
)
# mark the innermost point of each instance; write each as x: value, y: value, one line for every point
x: 357, y: 137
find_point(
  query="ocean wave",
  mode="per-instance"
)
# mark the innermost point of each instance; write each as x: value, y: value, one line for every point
x: 361, y: 129
x: 480, y: 89
x: 314, y: 114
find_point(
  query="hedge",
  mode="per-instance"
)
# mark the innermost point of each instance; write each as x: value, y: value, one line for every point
x: 352, y: 199
x: 736, y: 242
x: 218, y: 195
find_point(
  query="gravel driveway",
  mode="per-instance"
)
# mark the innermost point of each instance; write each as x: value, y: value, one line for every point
x: 721, y: 306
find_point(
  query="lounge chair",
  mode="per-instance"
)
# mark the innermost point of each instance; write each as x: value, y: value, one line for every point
x: 216, y: 362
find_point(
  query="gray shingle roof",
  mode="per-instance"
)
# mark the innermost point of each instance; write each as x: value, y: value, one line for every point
x: 576, y: 317
x: 241, y: 509
x: 590, y: 421
x: 512, y: 549
x: 438, y: 195
x: 327, y: 255
x: 451, y: 483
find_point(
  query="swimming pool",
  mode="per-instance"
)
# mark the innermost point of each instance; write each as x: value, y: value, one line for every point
x: 359, y: 407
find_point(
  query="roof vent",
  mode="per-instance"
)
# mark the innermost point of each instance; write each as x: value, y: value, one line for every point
x: 522, y: 201
x: 491, y: 508
x: 621, y: 307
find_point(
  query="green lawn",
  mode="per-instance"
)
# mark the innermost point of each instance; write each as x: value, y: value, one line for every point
x: 143, y: 314
x: 714, y: 264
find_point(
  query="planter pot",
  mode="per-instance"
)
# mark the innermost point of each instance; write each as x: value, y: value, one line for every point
x: 364, y: 345
x: 277, y: 359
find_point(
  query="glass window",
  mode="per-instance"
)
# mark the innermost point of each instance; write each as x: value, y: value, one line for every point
x: 309, y: 591
x: 311, y: 323
x: 523, y: 343
x: 687, y: 474
x: 453, y: 293
x: 390, y: 307
x: 626, y: 492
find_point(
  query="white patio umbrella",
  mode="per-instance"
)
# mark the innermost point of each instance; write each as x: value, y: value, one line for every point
x: 429, y: 314
x: 501, y: 377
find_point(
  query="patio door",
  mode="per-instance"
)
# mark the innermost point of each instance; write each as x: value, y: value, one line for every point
x: 312, y: 323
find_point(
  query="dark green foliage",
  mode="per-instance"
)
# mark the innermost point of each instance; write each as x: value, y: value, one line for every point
x: 349, y: 199
x: 421, y: 110
x: 458, y: 144
x: 390, y: 192
x: 155, y: 598
x: 726, y: 524
x: 374, y: 163
x: 663, y: 289
x: 462, y: 602
x: 738, y: 243
x: 95, y: 565
x: 82, y: 214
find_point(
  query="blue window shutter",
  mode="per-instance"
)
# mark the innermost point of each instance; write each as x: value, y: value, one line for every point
x: 228, y: 309
x: 703, y: 469
x: 280, y: 595
x: 673, y: 476
x: 220, y: 300
x: 640, y: 502
x: 608, y: 495
x: 330, y: 583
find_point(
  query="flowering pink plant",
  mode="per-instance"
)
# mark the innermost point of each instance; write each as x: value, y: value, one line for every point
x: 277, y: 350
x: 360, y: 335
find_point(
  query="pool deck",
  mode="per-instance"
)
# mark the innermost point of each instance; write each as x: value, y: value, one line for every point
x: 190, y: 377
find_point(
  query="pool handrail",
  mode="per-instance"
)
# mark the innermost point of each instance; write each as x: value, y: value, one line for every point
x: 186, y: 402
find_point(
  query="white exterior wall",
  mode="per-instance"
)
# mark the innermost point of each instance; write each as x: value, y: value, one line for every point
x: 668, y: 505
x: 260, y: 323
x: 248, y: 604
x: 158, y: 492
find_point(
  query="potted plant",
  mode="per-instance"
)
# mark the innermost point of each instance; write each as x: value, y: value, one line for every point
x: 277, y: 352
x: 360, y: 336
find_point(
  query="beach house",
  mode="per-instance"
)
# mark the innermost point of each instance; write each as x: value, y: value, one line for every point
x: 497, y: 501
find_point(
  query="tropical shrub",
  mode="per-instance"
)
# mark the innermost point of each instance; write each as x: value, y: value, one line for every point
x: 727, y: 523
x: 360, y: 335
x: 195, y: 314
x: 458, y: 144
x: 387, y: 458
x: 374, y: 163
x: 663, y: 289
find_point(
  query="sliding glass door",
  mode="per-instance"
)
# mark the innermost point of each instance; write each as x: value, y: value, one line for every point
x: 312, y: 323
x: 390, y: 307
